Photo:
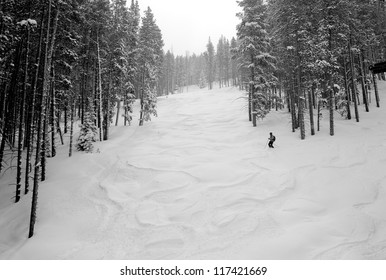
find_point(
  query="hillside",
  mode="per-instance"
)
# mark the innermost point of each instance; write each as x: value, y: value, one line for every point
x: 199, y: 182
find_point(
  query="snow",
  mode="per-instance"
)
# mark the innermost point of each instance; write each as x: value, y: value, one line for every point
x: 27, y: 22
x: 22, y: 22
x: 199, y: 182
x: 32, y: 21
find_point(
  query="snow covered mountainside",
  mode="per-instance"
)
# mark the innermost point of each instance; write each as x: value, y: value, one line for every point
x: 199, y: 182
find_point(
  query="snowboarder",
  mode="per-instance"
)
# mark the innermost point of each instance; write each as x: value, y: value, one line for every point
x: 271, y: 139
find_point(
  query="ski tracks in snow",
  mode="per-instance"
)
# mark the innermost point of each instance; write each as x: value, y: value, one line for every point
x: 198, y: 183
x: 176, y: 194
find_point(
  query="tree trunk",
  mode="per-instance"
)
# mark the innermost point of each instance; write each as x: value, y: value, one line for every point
x: 354, y: 94
x: 295, y: 98
x: 46, y: 89
x: 300, y: 93
x: 280, y: 96
x: 311, y: 111
x: 21, y: 122
x: 313, y: 92
x: 276, y: 99
x: 251, y: 89
x: 31, y: 127
x: 331, y: 100
x: 364, y: 90
x: 40, y: 126
x: 100, y: 125
x: 301, y: 118
x: 346, y: 89
x: 3, y: 97
x: 125, y: 104
x: 376, y: 90
x: 287, y: 92
x: 118, y: 109
x: 65, y: 117
x: 53, y: 114
x: 319, y: 113
x: 59, y: 130
x: 254, y: 117
x: 82, y: 94
x: 44, y: 139
x: 142, y: 100
x: 293, y: 110
x: 107, y: 113
x: 72, y: 110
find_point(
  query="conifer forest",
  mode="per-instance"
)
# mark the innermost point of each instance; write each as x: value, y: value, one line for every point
x: 70, y: 70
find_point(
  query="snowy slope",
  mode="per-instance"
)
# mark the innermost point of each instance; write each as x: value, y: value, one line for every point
x: 200, y: 183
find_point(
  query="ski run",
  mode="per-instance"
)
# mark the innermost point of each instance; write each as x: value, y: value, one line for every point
x: 199, y: 182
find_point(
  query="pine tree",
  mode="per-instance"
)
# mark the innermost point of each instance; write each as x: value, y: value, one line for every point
x: 210, y: 56
x: 40, y: 120
x: 234, y: 62
x: 325, y: 46
x: 22, y: 112
x: 254, y: 50
x: 168, y: 70
x: 72, y: 59
x: 150, y: 64
x: 223, y: 61
x: 88, y: 134
x: 220, y: 58
x: 202, y: 82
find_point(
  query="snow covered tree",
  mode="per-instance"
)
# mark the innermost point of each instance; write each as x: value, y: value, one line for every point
x: 150, y: 64
x: 234, y: 63
x: 210, y: 62
x: 261, y: 105
x: 168, y: 72
x: 223, y: 61
x: 202, y: 82
x: 62, y: 59
x: 323, y: 46
x: 122, y: 45
x: 88, y: 133
x: 180, y: 73
x: 254, y: 50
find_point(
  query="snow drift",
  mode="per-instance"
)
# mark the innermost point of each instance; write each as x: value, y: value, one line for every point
x: 199, y: 182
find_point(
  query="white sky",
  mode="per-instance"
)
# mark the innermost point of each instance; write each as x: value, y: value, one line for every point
x: 186, y: 25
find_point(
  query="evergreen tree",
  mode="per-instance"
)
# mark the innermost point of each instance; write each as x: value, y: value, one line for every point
x: 202, y: 82
x: 59, y: 60
x: 254, y: 50
x: 223, y: 61
x: 234, y: 61
x: 210, y: 57
x: 168, y: 73
x: 150, y: 64
x: 88, y: 134
x: 323, y: 46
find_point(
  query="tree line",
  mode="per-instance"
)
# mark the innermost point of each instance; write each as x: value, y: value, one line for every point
x: 216, y: 64
x: 89, y: 60
x: 67, y: 60
x: 310, y: 55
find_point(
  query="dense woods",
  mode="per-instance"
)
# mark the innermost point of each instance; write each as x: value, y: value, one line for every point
x: 87, y: 61
x: 62, y: 61
x: 311, y: 55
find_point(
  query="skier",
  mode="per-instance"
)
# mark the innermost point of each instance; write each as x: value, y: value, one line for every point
x: 271, y: 139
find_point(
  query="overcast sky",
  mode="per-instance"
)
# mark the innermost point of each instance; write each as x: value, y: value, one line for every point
x: 187, y: 24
